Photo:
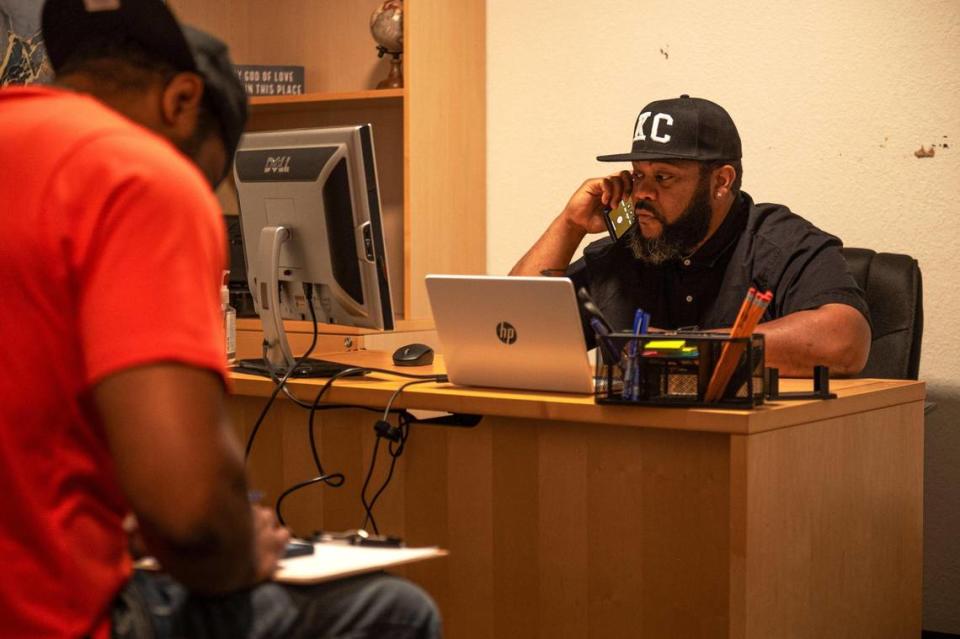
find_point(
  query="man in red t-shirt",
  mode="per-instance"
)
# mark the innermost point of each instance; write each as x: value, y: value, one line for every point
x: 112, y: 366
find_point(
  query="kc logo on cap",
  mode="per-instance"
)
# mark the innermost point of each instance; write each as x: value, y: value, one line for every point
x: 682, y: 128
x: 655, y: 135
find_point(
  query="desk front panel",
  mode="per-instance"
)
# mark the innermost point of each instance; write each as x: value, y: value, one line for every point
x: 570, y: 529
x: 555, y: 529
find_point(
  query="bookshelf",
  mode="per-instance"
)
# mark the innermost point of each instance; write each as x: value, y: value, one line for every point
x: 430, y: 136
x: 320, y: 100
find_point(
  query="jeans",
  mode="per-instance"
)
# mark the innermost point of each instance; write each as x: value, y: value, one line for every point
x: 154, y: 606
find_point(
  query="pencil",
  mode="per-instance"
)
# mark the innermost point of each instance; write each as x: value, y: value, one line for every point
x: 744, y: 308
x: 734, y: 331
x: 730, y: 355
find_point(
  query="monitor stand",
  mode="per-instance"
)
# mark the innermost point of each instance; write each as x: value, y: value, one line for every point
x: 277, y: 347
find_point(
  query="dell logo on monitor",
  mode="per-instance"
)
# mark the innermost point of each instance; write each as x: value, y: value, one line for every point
x: 278, y: 164
x: 506, y: 333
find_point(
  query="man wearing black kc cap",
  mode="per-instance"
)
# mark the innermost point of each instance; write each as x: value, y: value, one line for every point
x: 698, y: 243
x: 113, y: 369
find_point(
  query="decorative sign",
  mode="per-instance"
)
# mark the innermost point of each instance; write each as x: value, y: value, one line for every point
x: 269, y: 79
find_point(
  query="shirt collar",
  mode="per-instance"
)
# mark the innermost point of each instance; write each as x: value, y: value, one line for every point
x: 725, y: 236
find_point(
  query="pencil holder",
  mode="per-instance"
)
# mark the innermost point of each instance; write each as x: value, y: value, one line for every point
x: 680, y: 369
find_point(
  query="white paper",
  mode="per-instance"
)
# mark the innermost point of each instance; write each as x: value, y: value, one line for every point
x: 332, y: 560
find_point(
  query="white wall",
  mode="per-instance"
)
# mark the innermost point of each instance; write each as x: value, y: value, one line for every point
x: 831, y: 100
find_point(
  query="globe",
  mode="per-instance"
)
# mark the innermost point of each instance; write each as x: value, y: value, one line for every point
x: 386, y: 25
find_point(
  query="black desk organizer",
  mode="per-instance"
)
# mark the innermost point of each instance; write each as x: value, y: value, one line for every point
x: 666, y: 378
x: 682, y: 379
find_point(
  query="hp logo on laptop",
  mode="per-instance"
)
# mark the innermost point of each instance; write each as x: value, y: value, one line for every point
x: 506, y: 333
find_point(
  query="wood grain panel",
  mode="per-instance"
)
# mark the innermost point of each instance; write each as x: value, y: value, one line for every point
x: 616, y: 531
x: 265, y: 465
x: 564, y: 546
x: 834, y: 527
x: 738, y: 537
x: 470, y: 526
x: 516, y: 528
x: 330, y: 38
x: 446, y: 156
x: 685, y: 540
x: 426, y: 505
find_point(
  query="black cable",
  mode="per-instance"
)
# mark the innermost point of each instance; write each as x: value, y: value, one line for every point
x: 313, y: 446
x: 279, y: 384
x: 315, y: 406
x: 394, y: 456
x: 360, y: 371
x: 334, y: 480
x: 363, y: 491
x: 324, y: 478
x: 395, y: 436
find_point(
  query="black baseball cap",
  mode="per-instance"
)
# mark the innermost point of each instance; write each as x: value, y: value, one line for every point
x: 682, y: 128
x: 70, y: 24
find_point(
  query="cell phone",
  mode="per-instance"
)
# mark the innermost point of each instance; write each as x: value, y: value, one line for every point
x: 619, y: 220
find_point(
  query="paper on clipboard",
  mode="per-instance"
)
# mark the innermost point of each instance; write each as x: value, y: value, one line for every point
x: 334, y: 560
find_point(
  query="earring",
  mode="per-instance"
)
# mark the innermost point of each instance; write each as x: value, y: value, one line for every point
x: 719, y: 194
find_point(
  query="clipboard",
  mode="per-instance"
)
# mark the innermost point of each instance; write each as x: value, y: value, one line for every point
x: 334, y: 560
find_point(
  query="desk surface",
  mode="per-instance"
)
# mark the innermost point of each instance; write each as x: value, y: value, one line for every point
x: 853, y: 396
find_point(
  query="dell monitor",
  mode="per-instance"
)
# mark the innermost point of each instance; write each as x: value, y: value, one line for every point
x: 312, y: 234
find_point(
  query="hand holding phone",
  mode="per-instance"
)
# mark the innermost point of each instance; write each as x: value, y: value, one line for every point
x: 620, y: 219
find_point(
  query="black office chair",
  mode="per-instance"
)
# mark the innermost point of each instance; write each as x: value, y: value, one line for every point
x: 894, y: 291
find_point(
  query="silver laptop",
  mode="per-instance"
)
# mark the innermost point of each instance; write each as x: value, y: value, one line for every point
x: 510, y: 332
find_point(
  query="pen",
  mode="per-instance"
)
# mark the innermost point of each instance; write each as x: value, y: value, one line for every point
x: 637, y: 321
x: 631, y: 378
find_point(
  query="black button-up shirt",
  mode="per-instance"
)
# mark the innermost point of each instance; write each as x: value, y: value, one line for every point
x: 761, y: 245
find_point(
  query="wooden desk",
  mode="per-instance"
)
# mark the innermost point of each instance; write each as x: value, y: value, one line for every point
x: 568, y: 519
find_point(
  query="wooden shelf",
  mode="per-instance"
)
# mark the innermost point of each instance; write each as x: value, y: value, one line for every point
x: 430, y: 136
x: 297, y: 326
x: 311, y: 100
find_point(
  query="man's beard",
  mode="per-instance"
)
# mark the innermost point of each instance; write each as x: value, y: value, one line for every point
x: 680, y: 238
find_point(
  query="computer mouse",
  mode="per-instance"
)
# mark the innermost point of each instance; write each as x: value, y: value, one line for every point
x: 413, y: 355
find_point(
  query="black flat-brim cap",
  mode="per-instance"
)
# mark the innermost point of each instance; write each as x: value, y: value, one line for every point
x: 682, y: 128
x: 68, y: 25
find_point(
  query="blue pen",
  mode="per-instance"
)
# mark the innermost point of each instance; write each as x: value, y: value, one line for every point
x: 644, y: 323
x: 637, y: 321
x: 631, y: 385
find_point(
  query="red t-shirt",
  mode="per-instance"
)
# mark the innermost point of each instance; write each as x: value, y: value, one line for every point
x: 111, y: 254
